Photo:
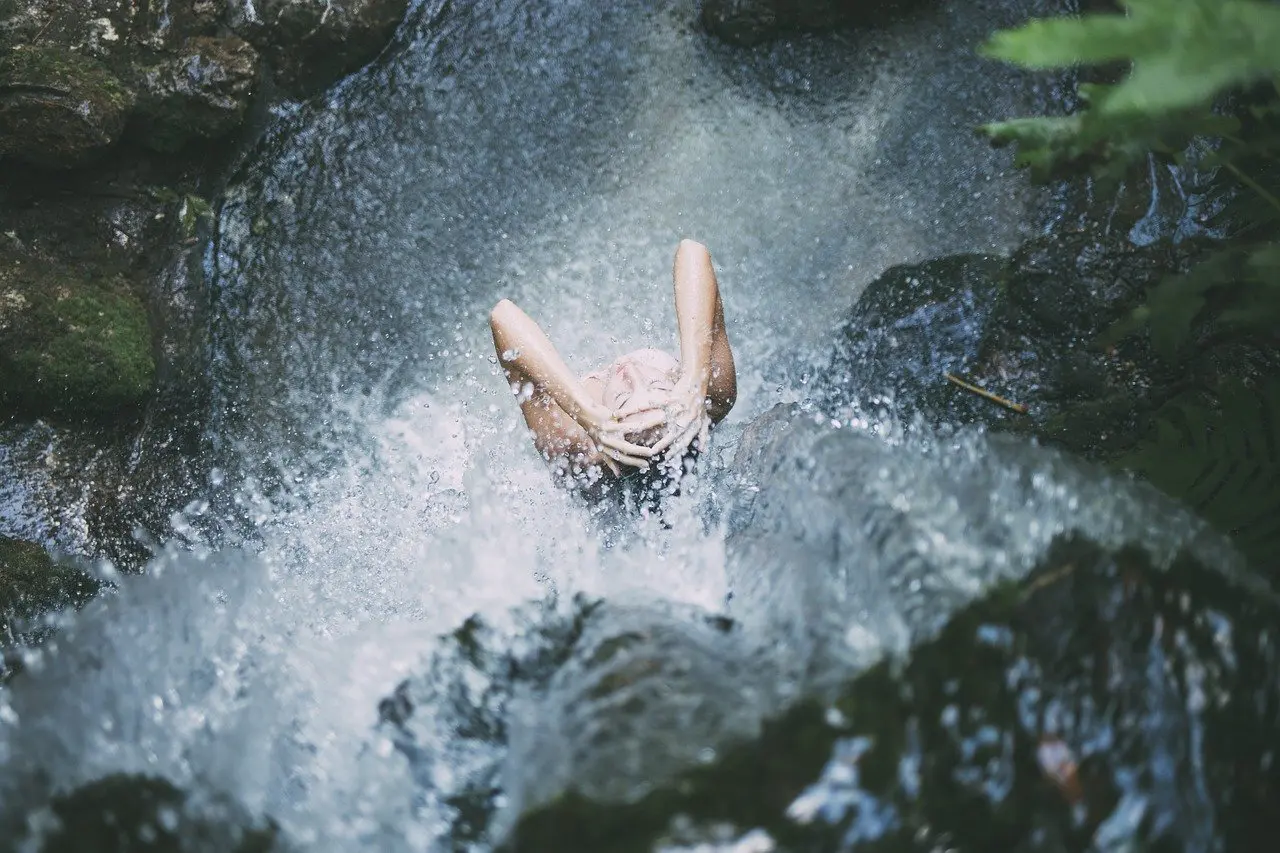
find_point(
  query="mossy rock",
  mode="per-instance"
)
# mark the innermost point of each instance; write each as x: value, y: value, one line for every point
x: 71, y: 342
x: 59, y: 109
x: 31, y: 583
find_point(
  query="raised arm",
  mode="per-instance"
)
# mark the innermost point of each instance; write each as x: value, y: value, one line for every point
x: 708, y: 385
x: 564, y: 420
x: 706, y: 359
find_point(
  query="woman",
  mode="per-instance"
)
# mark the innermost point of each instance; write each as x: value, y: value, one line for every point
x: 644, y: 408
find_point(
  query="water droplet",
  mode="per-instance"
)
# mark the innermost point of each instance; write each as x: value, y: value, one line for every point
x: 167, y: 817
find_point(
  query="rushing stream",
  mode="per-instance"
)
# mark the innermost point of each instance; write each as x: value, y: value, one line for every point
x: 371, y: 486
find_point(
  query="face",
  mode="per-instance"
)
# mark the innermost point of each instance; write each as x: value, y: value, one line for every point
x: 645, y: 379
x: 640, y: 378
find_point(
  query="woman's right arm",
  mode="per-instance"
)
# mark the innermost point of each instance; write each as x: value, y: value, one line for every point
x: 563, y: 419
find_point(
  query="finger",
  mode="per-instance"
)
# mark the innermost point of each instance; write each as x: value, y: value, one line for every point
x: 681, y: 444
x: 655, y: 417
x: 624, y: 458
x: 666, y: 441
x: 610, y: 464
x: 704, y: 436
x: 634, y: 408
x: 678, y: 439
x: 625, y: 446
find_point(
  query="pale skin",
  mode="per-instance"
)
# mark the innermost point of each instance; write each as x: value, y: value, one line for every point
x: 568, y: 422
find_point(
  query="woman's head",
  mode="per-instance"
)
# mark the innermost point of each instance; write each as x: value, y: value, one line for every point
x: 641, y: 379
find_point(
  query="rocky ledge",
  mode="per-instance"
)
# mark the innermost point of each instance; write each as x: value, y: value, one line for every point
x: 140, y: 105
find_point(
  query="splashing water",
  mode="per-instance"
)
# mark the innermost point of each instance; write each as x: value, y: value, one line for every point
x: 374, y: 485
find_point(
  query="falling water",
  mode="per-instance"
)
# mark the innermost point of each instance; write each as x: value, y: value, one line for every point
x: 371, y: 485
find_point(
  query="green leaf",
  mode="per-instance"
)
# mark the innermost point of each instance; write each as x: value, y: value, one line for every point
x: 1245, y: 280
x: 1065, y: 42
x: 1184, y: 54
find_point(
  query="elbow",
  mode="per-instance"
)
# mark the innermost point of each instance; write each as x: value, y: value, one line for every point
x: 500, y: 311
x: 687, y: 245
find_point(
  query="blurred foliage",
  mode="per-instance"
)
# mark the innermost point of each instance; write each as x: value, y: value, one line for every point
x: 1220, y: 455
x: 1198, y: 76
x: 1186, y: 57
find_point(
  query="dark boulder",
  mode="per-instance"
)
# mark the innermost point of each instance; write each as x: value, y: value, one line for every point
x: 31, y: 583
x: 875, y: 583
x: 310, y: 45
x: 201, y: 91
x: 1034, y: 329
x: 749, y: 22
x: 970, y: 643
x: 142, y: 814
x: 1100, y: 699
x: 59, y: 109
x: 1026, y: 327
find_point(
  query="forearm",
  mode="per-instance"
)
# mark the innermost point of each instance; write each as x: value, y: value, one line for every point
x: 696, y: 298
x: 722, y: 389
x: 525, y: 351
x: 555, y: 434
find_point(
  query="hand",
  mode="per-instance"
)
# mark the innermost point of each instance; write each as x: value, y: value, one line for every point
x: 607, y: 429
x: 686, y: 417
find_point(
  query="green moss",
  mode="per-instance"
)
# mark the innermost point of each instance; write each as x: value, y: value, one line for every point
x: 73, y: 344
x: 61, y: 108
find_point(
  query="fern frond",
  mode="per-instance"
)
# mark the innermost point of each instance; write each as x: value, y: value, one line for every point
x: 1221, y: 456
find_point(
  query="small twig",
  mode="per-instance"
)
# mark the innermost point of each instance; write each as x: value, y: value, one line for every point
x: 986, y: 395
x: 53, y: 16
x: 1046, y: 580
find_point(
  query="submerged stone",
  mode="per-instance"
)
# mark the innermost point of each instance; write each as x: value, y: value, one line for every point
x: 57, y: 108
x: 72, y: 344
x: 749, y: 22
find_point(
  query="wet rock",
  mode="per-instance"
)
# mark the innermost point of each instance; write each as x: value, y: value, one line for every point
x: 59, y: 109
x: 748, y: 22
x: 138, y: 814
x: 847, y: 554
x: 1098, y: 703
x: 31, y: 583
x: 74, y: 342
x: 202, y: 91
x: 1029, y: 329
x: 310, y: 45
x: 1033, y: 331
